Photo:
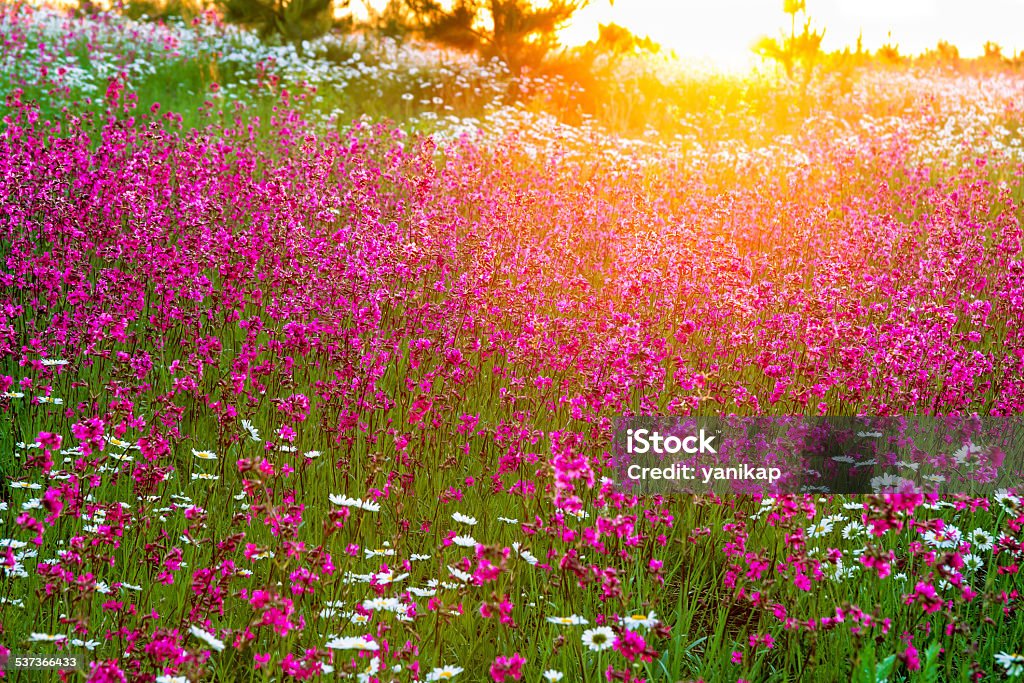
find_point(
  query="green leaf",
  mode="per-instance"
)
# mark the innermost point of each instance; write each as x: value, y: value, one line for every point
x: 864, y: 669
x: 884, y: 669
x: 930, y: 671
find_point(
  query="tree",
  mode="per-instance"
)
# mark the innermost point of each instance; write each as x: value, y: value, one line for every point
x: 889, y: 53
x: 393, y: 20
x: 944, y: 54
x: 519, y: 32
x: 947, y: 52
x: 618, y: 40
x: 993, y: 52
x: 796, y: 49
x: 293, y: 20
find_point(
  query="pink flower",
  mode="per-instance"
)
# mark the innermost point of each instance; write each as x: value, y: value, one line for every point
x: 910, y: 658
x: 420, y: 407
x: 507, y: 667
x: 90, y: 433
x: 105, y: 672
x: 286, y: 433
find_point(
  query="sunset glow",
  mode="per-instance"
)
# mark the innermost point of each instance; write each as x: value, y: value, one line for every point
x: 722, y: 31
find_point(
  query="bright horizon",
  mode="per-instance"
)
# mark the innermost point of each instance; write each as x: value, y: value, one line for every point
x: 722, y: 31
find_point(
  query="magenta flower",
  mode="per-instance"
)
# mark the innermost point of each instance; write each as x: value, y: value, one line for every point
x: 507, y: 667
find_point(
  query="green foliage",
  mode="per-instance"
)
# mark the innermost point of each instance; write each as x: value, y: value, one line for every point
x: 516, y: 31
x: 293, y: 20
x: 867, y: 670
x: 162, y: 9
x: 930, y: 669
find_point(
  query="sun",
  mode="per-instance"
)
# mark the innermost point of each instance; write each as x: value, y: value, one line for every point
x: 722, y: 32
x: 718, y: 32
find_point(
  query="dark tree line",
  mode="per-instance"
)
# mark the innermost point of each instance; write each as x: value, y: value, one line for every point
x: 519, y: 32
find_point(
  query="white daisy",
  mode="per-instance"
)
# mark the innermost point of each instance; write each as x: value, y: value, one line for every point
x: 889, y: 483
x: 1008, y: 501
x: 460, y: 575
x: 464, y: 519
x: 571, y: 620
x: 1013, y: 664
x: 600, y: 638
x: 972, y: 562
x: 967, y: 452
x: 204, y: 455
x: 344, y: 501
x: 635, y: 621
x: 949, y: 537
x: 254, y: 433
x: 981, y: 539
x: 384, y: 578
x: 854, y: 530
x: 822, y: 528
x: 369, y: 672
x: 387, y: 604
x: 207, y: 638
x: 444, y: 673
x: 87, y: 644
x: 353, y: 643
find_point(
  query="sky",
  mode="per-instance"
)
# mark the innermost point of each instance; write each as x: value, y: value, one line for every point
x: 722, y: 31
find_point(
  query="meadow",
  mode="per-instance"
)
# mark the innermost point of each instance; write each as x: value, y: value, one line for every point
x: 309, y: 360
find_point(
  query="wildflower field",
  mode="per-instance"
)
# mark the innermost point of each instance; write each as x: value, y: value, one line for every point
x: 309, y: 362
